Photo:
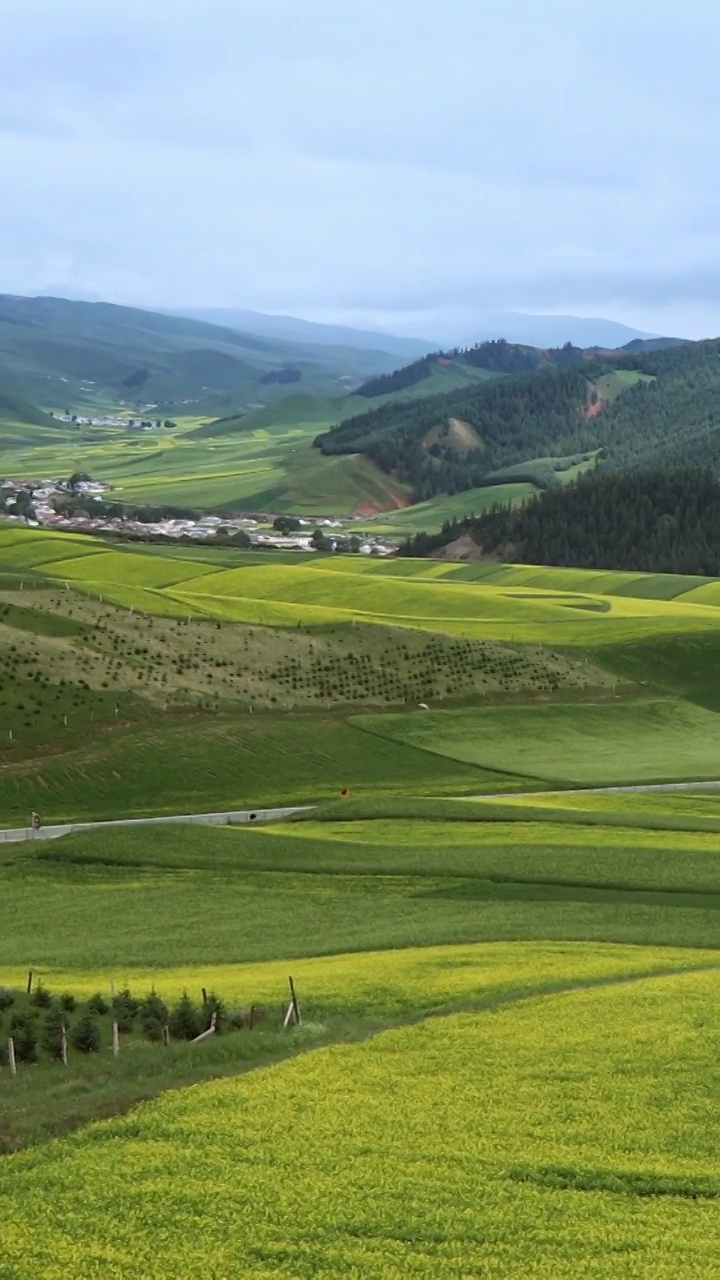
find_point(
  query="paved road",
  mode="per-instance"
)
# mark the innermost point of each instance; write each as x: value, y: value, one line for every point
x: 252, y: 816
x: 604, y: 791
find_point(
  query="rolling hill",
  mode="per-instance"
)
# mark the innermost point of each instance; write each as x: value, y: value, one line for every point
x: 664, y: 521
x: 540, y: 417
x: 61, y: 352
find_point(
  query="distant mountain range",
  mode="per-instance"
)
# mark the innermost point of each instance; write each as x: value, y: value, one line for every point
x: 464, y: 329
x: 57, y: 352
x: 292, y: 329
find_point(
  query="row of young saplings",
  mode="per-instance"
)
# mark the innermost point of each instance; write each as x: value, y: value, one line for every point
x: 37, y: 1025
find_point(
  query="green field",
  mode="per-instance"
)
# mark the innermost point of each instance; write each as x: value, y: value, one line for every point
x: 602, y: 744
x: 427, y: 517
x: 503, y: 1137
x: 509, y: 993
x: 260, y: 468
x: 555, y: 607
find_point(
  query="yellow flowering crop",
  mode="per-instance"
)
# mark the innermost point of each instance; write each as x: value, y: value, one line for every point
x: 567, y: 1136
x: 388, y: 983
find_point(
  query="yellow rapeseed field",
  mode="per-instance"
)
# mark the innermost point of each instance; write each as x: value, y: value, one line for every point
x: 568, y: 1136
x: 390, y: 983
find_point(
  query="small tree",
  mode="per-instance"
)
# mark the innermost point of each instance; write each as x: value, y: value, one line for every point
x: 85, y: 1035
x: 41, y: 997
x: 153, y: 1016
x: 97, y: 1004
x: 24, y: 1033
x: 320, y: 542
x: 185, y: 1019
x: 51, y: 1039
x: 125, y: 1007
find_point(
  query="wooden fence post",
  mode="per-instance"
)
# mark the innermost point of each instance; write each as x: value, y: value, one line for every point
x: 63, y: 1044
x: 295, y: 1005
x: 115, y: 1027
x: 166, y: 1034
x: 29, y: 982
x: 11, y: 1057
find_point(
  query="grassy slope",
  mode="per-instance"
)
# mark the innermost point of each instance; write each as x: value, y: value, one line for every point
x: 176, y: 673
x: 64, y: 351
x: 183, y: 908
x: 583, y: 745
x: 268, y: 468
x: 431, y: 1149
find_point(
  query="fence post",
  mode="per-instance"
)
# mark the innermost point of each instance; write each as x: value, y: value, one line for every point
x: 295, y: 1005
x: 63, y: 1044
x: 11, y: 1057
x: 29, y: 982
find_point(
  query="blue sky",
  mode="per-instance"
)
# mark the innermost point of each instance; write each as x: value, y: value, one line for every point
x: 390, y: 162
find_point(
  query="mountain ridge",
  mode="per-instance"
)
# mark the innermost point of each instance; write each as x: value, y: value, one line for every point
x: 56, y: 348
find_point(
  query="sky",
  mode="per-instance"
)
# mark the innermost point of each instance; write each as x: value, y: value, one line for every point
x: 401, y: 164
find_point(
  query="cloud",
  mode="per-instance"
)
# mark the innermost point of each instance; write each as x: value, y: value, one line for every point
x: 362, y: 157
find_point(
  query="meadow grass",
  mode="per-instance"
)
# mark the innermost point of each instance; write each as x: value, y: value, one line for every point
x: 237, y: 910
x: 188, y: 764
x: 430, y: 1150
x: 587, y: 744
x: 170, y: 895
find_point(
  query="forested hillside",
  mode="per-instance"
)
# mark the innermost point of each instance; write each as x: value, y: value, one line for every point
x: 657, y: 521
x: 635, y: 408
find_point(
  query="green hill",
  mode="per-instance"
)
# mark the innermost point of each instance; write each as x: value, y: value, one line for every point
x: 655, y: 522
x: 16, y: 409
x: 623, y: 409
x: 65, y: 353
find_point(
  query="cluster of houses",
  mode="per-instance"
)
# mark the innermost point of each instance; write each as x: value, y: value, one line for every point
x: 39, y: 503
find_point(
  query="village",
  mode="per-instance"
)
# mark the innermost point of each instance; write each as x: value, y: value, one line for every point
x: 81, y: 504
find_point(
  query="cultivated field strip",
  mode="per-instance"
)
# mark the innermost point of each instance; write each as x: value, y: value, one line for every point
x: 568, y: 607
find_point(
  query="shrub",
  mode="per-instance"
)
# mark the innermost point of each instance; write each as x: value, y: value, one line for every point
x: 85, y: 1036
x: 24, y: 1033
x: 68, y: 1003
x: 41, y: 997
x: 7, y: 998
x: 125, y: 1006
x: 152, y: 1029
x: 97, y: 1005
x: 185, y: 1019
x: 51, y: 1037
